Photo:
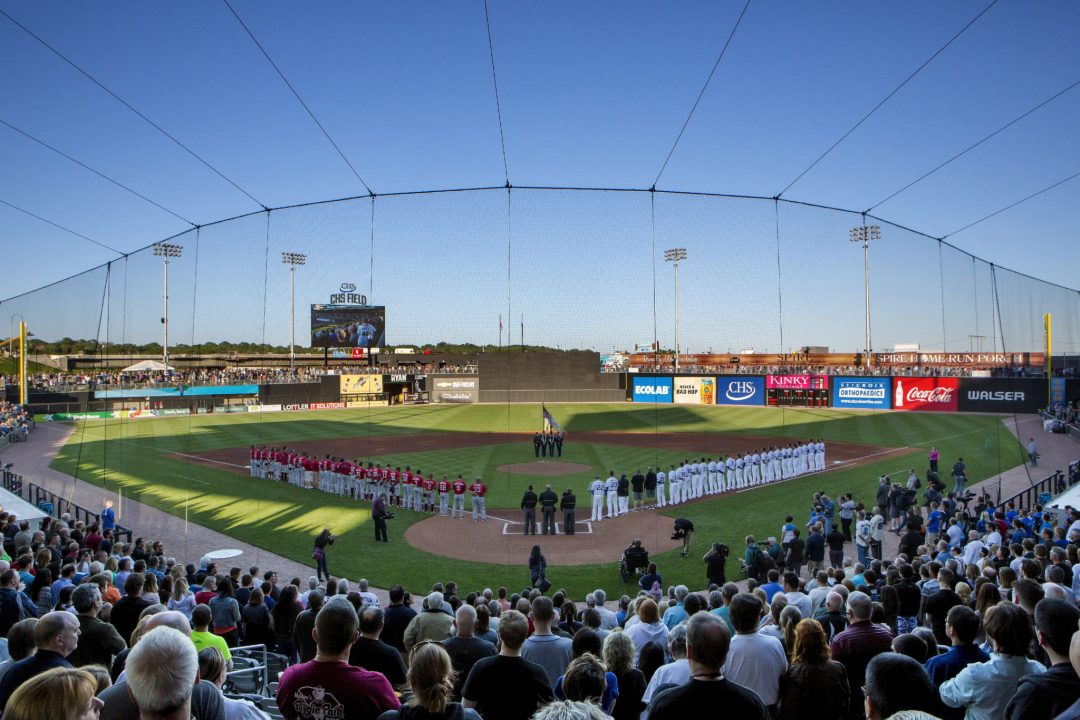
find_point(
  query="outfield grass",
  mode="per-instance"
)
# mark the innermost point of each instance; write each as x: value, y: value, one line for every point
x: 133, y: 456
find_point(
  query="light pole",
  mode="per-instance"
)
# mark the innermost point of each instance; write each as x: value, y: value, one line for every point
x: 674, y: 255
x: 165, y: 251
x: 292, y: 259
x: 864, y: 234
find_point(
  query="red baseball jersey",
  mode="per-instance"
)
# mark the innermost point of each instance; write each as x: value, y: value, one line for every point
x: 458, y: 486
x: 429, y: 484
x: 444, y: 486
x: 478, y: 489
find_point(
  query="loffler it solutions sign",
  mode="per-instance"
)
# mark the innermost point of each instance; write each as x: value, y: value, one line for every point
x: 934, y: 394
x: 651, y: 389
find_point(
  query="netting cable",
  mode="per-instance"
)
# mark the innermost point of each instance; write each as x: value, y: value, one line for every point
x: 941, y: 278
x: 888, y: 97
x: 100, y: 174
x: 498, y: 102
x: 700, y: 94
x: 974, y: 145
x: 296, y: 94
x: 1010, y: 206
x: 131, y: 107
x: 61, y: 227
x: 655, y: 332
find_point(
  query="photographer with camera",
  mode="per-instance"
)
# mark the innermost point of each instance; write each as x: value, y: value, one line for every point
x: 684, y: 530
x: 322, y: 541
x: 380, y: 515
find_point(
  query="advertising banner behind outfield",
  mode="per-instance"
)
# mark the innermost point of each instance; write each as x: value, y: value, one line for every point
x: 938, y: 394
x: 651, y: 389
x: 740, y: 390
x: 867, y: 393
x: 797, y: 382
x: 1002, y: 394
x: 454, y: 388
x: 361, y: 384
x: 694, y: 390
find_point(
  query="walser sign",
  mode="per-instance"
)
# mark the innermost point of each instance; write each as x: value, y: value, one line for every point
x: 939, y: 394
x: 1022, y: 395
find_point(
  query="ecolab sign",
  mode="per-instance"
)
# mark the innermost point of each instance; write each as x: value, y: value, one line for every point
x: 936, y: 394
x: 740, y: 390
x: 652, y: 389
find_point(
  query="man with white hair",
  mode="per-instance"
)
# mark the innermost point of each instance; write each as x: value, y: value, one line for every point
x: 608, y: 621
x: 676, y: 672
x: 855, y: 647
x: 367, y: 598
x: 313, y: 584
x: 162, y: 670
x: 98, y: 640
x: 465, y: 649
x: 676, y: 613
x: 429, y: 624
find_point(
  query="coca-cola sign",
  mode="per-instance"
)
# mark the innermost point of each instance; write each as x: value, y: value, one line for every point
x: 939, y: 394
x: 797, y: 382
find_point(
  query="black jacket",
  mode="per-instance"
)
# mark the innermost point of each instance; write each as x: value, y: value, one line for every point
x: 548, y: 499
x: 1045, y: 695
x: 569, y: 502
x: 528, y: 501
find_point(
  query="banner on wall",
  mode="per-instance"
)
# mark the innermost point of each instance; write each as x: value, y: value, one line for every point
x: 361, y: 384
x: 1021, y: 395
x: 1057, y: 391
x: 935, y: 394
x: 694, y: 391
x: 866, y: 393
x: 740, y: 390
x: 797, y: 382
x: 651, y: 389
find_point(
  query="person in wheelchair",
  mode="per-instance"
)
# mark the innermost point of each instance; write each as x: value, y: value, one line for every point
x: 635, y: 560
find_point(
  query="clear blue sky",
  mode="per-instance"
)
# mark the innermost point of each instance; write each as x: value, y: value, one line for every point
x: 593, y: 94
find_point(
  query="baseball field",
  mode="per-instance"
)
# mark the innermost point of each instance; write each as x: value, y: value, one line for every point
x: 195, y: 466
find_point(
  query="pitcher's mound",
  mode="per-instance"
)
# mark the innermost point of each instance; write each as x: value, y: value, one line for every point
x: 549, y: 469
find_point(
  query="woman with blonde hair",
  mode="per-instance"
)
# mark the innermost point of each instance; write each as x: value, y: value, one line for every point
x: 182, y: 599
x: 649, y: 628
x: 431, y: 683
x: 56, y: 694
x: 619, y: 660
x: 789, y: 619
x: 813, y: 686
x: 150, y: 589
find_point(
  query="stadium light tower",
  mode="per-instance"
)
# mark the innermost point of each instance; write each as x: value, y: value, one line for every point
x: 674, y: 255
x: 292, y: 259
x: 165, y: 251
x: 864, y: 234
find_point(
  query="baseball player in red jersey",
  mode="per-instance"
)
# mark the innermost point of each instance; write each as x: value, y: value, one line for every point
x: 478, y: 488
x: 458, y: 486
x: 429, y: 493
x: 407, y: 489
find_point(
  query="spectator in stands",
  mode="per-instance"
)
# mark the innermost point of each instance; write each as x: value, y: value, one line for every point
x: 984, y: 689
x: 648, y: 628
x: 181, y: 599
x: 813, y: 686
x: 55, y: 637
x: 856, y: 646
x: 431, y: 624
x: 397, y: 618
x: 98, y: 640
x: 57, y: 694
x: 20, y: 643
x: 485, y: 687
x: 284, y: 614
x: 125, y: 613
x: 41, y: 590
x: 14, y: 604
x: 676, y: 613
x: 431, y: 677
x: 214, y: 670
x: 329, y: 682
x: 676, y: 672
x: 707, y: 642
x: 543, y: 647
x: 161, y: 671
x: 465, y: 649
x: 937, y: 605
x: 371, y: 653
x: 226, y: 613
x: 962, y: 626
x: 1045, y: 695
x: 618, y: 658
x: 305, y: 623
x: 201, y: 617
x: 897, y: 686
x: 754, y: 661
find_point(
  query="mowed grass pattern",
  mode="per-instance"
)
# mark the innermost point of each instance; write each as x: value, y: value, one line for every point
x: 134, y: 456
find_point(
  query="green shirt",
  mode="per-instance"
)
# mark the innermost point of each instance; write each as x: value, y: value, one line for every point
x: 209, y: 639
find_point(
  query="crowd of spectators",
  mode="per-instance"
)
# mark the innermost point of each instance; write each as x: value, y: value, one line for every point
x: 975, y: 617
x: 15, y: 420
x: 845, y: 370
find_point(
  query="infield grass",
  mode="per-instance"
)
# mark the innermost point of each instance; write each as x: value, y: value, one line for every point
x: 139, y: 458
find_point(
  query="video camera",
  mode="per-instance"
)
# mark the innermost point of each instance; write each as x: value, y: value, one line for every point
x: 388, y: 516
x: 679, y: 534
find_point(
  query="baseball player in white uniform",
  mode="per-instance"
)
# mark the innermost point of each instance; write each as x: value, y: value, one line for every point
x: 689, y: 470
x: 729, y: 465
x: 596, y: 492
x: 821, y: 454
x: 712, y: 477
x: 661, y: 487
x: 755, y: 466
x: 739, y: 472
x: 673, y: 485
x: 699, y: 478
x: 611, y: 487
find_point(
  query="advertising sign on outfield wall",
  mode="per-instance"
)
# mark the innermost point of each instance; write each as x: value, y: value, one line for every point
x: 866, y: 393
x: 651, y: 389
x: 740, y: 390
x: 797, y: 382
x: 694, y: 390
x: 938, y: 394
x: 361, y: 384
x: 1057, y: 391
x: 1020, y: 395
x: 454, y: 388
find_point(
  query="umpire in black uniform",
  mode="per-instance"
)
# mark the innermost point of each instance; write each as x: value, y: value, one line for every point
x: 567, y: 505
x: 528, y: 505
x: 538, y: 440
x: 548, y: 501
x: 559, y: 437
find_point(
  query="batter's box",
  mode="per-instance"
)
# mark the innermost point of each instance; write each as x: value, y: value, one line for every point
x: 582, y: 527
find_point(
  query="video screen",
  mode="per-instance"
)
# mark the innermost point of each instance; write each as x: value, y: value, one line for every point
x: 351, y: 326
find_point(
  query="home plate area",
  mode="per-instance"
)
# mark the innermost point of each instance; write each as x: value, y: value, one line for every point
x: 581, y: 527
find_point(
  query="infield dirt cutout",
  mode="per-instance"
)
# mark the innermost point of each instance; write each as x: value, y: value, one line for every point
x: 545, y: 469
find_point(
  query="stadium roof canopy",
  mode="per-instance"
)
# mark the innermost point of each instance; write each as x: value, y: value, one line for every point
x: 147, y: 366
